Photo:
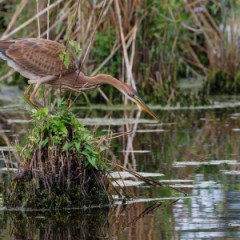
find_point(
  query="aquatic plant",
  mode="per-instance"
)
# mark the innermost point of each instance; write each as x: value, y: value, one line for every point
x: 62, y: 164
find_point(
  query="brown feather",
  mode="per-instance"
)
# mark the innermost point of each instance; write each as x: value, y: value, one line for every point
x: 4, y: 45
x: 74, y: 81
x: 39, y: 57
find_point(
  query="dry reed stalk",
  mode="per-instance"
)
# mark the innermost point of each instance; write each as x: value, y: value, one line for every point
x: 15, y: 16
x: 29, y: 21
x: 38, y: 20
x: 129, y: 75
x: 90, y: 42
x: 194, y: 3
x: 48, y: 18
x: 130, y: 139
x: 213, y: 37
x: 7, y: 75
x: 196, y: 61
x: 67, y: 12
x: 222, y: 52
x: 135, y: 29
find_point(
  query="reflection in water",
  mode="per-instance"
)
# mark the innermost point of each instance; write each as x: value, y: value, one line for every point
x: 212, y: 213
x: 129, y: 142
x: 135, y: 221
x: 88, y: 224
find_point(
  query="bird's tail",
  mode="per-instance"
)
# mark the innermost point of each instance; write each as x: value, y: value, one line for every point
x: 4, y: 45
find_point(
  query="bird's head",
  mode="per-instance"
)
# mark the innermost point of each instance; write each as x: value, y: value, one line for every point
x: 132, y: 94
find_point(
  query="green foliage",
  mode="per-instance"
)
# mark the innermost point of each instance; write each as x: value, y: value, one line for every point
x: 164, y: 40
x: 65, y: 57
x: 69, y: 28
x: 76, y: 48
x: 102, y: 48
x: 222, y: 82
x: 63, y: 131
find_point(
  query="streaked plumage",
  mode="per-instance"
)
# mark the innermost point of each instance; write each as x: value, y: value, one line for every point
x: 38, y: 60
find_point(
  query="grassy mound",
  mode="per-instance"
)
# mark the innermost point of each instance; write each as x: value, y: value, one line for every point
x: 62, y: 165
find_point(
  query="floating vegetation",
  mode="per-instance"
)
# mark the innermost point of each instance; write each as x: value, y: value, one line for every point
x: 62, y: 165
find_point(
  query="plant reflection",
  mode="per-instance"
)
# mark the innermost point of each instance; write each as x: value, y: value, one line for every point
x: 129, y: 141
x: 97, y: 223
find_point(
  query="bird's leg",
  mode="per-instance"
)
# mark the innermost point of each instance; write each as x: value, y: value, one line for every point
x: 27, y: 91
x: 27, y: 95
x: 38, y: 82
x: 32, y: 97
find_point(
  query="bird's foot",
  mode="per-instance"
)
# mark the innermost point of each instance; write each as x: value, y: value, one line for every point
x: 36, y: 104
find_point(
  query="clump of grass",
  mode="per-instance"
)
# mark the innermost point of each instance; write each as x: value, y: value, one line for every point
x: 63, y: 165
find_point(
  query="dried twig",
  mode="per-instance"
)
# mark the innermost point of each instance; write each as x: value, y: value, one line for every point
x: 31, y: 20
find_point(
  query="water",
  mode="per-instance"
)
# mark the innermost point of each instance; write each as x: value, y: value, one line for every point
x: 195, y: 151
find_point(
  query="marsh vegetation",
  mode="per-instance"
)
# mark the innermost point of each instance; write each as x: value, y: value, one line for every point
x: 97, y: 168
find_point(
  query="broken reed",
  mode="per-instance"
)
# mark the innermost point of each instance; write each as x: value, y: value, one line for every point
x: 62, y: 165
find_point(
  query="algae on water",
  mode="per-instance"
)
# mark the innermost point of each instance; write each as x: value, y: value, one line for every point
x: 62, y: 165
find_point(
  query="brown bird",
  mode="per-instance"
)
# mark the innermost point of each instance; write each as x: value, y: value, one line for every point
x: 39, y: 61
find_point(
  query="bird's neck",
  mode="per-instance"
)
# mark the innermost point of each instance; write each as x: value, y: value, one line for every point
x: 102, y: 79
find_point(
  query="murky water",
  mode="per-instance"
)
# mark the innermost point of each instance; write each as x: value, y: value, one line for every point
x: 195, y: 151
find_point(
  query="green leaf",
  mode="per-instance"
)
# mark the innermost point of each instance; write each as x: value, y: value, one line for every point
x: 92, y: 155
x: 65, y: 57
x: 77, y: 146
x: 19, y: 148
x: 67, y: 60
x: 59, y: 101
x: 27, y: 154
x: 61, y: 55
x: 69, y: 29
x: 65, y: 147
x: 42, y: 112
x: 34, y: 111
x: 44, y: 142
x: 76, y: 48
x: 56, y: 139
x: 59, y: 128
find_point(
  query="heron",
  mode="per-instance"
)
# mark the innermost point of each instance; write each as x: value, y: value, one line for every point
x: 39, y: 61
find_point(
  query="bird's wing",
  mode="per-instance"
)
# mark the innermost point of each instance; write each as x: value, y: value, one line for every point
x: 36, y: 57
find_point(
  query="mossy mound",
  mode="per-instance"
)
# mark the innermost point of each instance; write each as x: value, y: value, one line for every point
x: 62, y: 165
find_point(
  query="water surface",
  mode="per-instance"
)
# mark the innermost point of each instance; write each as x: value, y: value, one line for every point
x: 195, y: 151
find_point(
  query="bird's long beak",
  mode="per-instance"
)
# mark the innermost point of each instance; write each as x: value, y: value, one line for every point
x: 141, y: 104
